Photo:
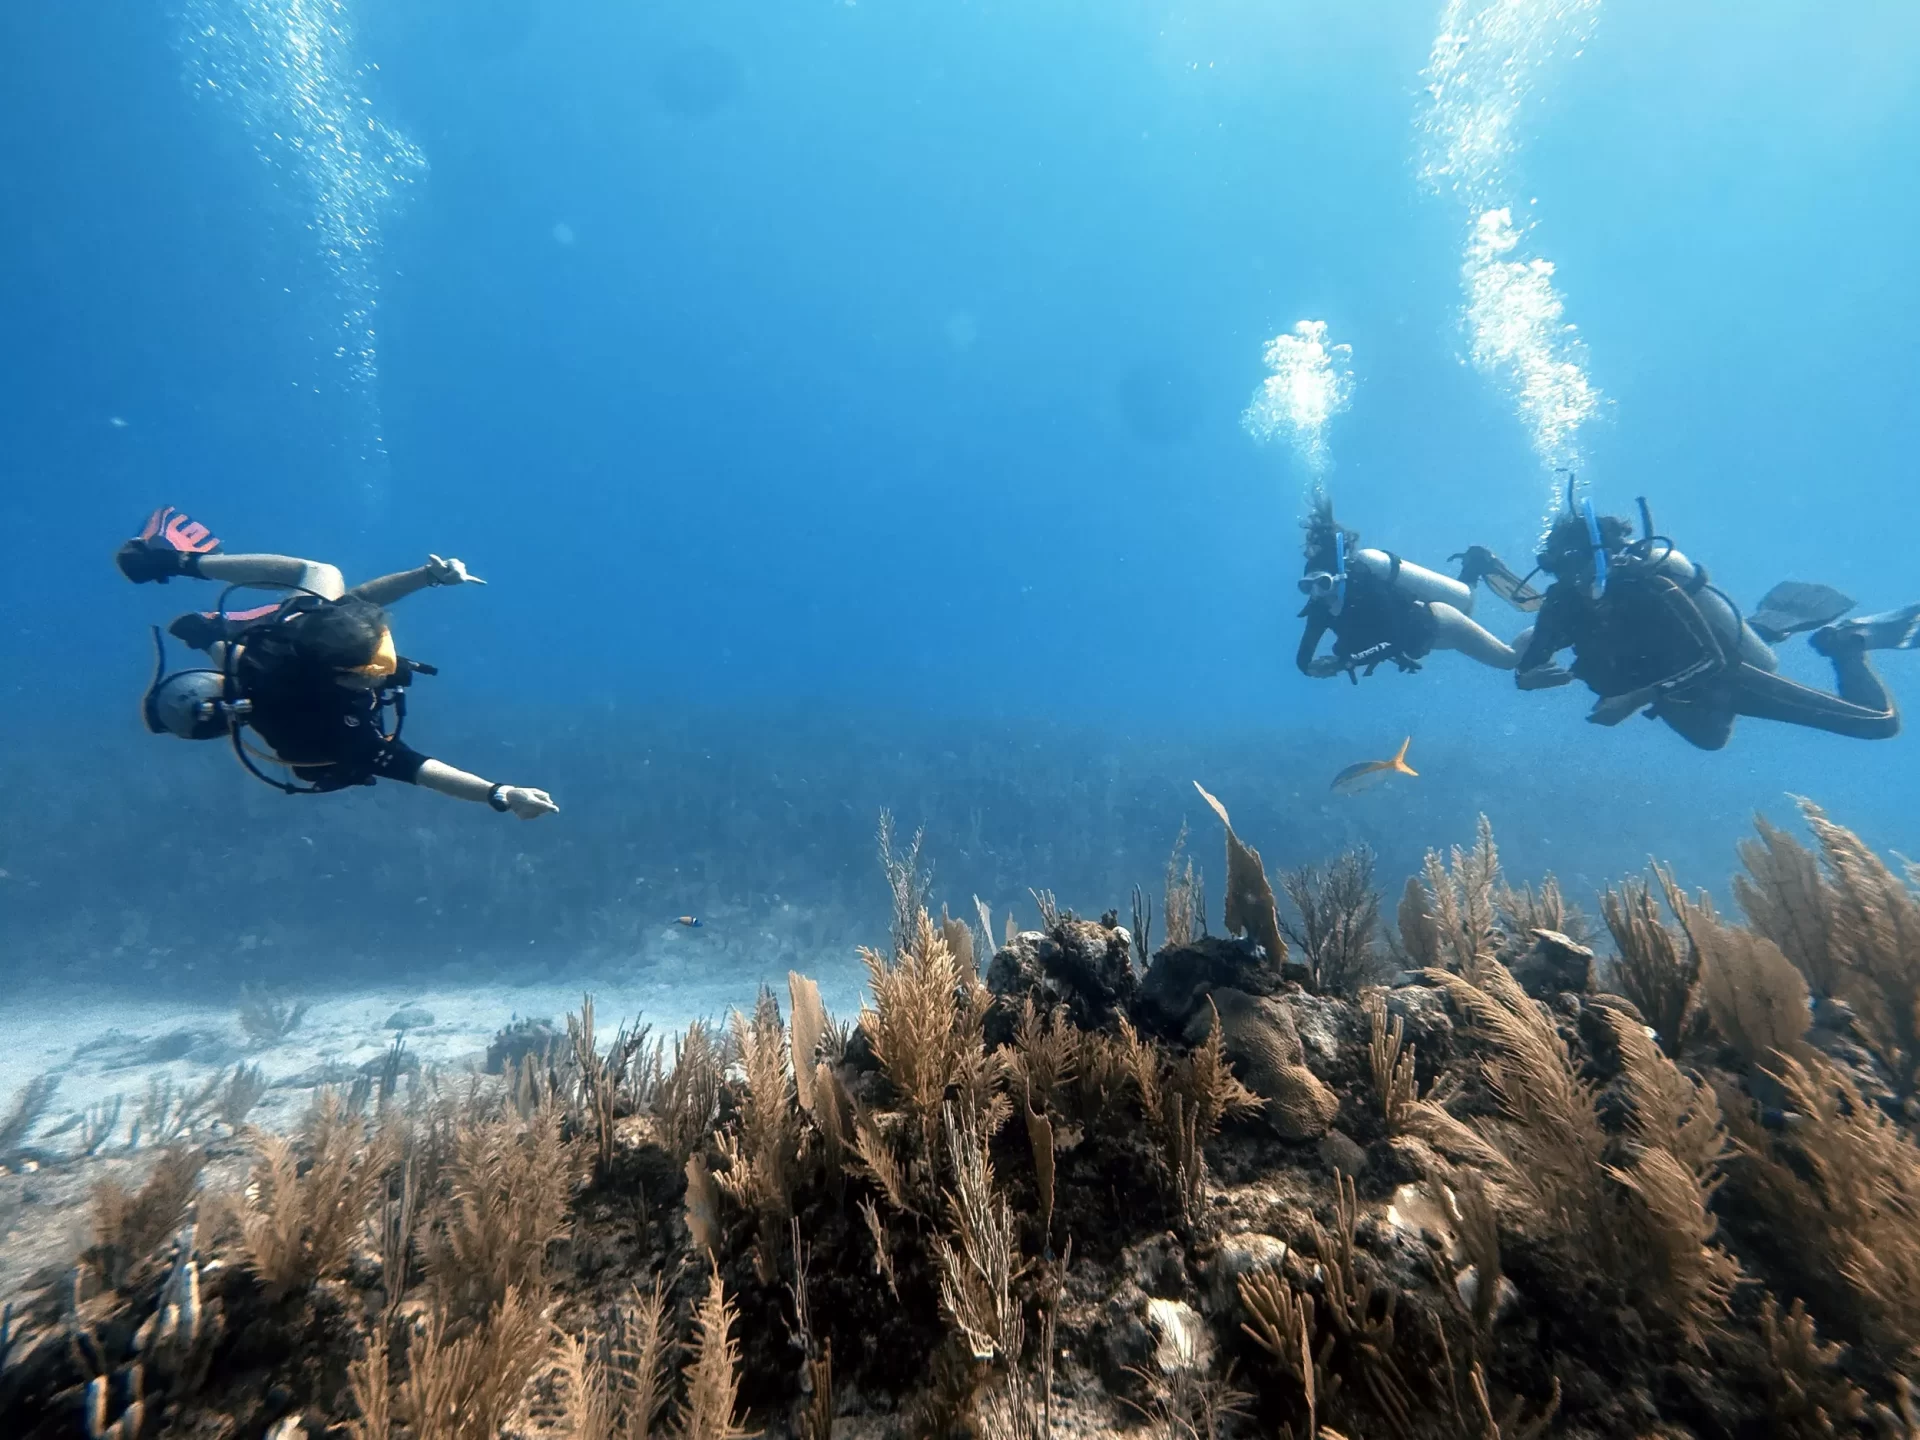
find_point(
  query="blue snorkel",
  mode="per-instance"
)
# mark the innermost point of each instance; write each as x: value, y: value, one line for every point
x: 1339, y: 571
x: 1599, y: 548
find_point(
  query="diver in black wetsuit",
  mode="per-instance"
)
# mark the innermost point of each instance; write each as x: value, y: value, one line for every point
x: 1381, y: 609
x: 312, y: 676
x: 1651, y: 633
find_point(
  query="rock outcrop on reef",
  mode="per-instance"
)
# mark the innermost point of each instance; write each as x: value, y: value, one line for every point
x: 1520, y: 1188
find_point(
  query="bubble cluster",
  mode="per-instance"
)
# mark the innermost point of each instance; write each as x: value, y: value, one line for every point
x: 288, y: 69
x: 1311, y: 383
x: 1486, y: 60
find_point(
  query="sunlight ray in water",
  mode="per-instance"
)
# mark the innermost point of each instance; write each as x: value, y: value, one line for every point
x: 1486, y: 61
x: 289, y: 70
x: 1311, y: 382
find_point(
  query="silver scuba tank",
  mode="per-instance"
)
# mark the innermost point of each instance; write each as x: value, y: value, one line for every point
x: 1416, y: 582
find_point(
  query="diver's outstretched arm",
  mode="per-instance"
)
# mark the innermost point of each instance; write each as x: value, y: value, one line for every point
x: 527, y: 804
x: 389, y: 588
x: 285, y: 571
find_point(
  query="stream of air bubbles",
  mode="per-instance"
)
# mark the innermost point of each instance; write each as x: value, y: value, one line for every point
x: 289, y: 71
x: 1486, y: 61
x: 1309, y: 383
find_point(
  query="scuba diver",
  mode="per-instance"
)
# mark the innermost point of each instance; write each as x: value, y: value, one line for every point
x: 312, y: 676
x: 1651, y: 633
x: 1383, y: 609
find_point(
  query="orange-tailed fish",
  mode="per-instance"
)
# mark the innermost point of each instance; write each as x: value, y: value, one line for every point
x: 692, y: 922
x: 1369, y: 773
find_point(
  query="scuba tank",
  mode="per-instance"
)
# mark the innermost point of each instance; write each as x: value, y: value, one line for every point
x: 1416, y: 582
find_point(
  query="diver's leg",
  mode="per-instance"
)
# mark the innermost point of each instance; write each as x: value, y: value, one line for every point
x: 1455, y: 631
x: 326, y: 581
x: 1863, y: 710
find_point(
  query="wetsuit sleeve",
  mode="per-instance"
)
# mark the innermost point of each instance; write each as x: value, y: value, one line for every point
x: 399, y: 762
x: 1309, y: 643
x: 1549, y: 635
x: 389, y: 588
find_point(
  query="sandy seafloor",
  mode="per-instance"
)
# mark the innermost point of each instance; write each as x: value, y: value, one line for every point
x: 107, y: 1042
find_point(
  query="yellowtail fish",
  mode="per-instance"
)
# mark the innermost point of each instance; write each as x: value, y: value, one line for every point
x: 692, y: 922
x: 1369, y: 773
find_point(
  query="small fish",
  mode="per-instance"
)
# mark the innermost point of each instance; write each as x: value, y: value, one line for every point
x: 692, y: 922
x: 1369, y: 773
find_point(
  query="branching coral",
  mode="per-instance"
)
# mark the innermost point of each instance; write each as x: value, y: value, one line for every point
x: 980, y: 1256
x: 1756, y: 999
x: 1844, y: 1183
x: 1347, y: 1336
x: 1459, y: 902
x: 28, y: 1106
x: 129, y: 1226
x: 762, y: 1147
x: 1659, y: 974
x: 1523, y: 911
x: 266, y: 1019
x: 168, y: 1115
x: 688, y: 1098
x: 925, y: 1029
x: 1184, y: 916
x: 1811, y: 1395
x: 1786, y: 900
x: 461, y: 1386
x: 710, y: 1410
x: 300, y: 1226
x: 908, y: 880
x: 1639, y: 1219
x: 1337, y: 930
x: 1417, y: 933
x: 1392, y: 1065
x: 510, y: 1181
x: 1873, y: 942
x: 600, y: 1080
x: 1184, y: 1099
x: 244, y: 1089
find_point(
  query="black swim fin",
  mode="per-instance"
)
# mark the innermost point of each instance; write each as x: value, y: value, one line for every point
x: 1889, y: 630
x: 1479, y: 565
x: 1793, y: 606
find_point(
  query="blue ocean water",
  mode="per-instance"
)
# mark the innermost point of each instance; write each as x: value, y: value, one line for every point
x: 844, y: 401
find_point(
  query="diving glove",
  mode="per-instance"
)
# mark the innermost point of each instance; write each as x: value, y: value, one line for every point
x: 145, y: 565
x: 170, y: 543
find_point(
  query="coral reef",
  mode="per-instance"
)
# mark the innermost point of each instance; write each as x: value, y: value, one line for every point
x: 1256, y: 1189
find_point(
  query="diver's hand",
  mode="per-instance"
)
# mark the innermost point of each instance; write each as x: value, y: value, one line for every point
x: 1542, y: 677
x: 1615, y: 708
x: 528, y: 804
x: 1325, y: 667
x: 451, y: 572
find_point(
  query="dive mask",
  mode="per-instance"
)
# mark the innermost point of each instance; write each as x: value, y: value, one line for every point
x: 1329, y: 587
